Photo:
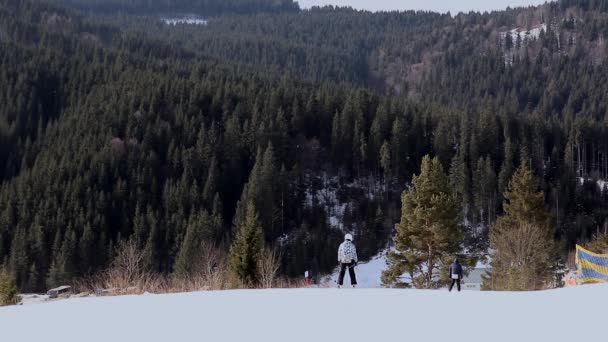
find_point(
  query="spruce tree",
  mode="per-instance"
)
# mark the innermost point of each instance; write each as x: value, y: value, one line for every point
x: 385, y: 159
x: 19, y: 261
x: 398, y: 148
x: 485, y: 190
x: 8, y: 288
x: 522, y: 239
x: 210, y: 188
x: 599, y: 243
x: 246, y: 248
x: 428, y: 236
x: 265, y: 202
x: 150, y: 248
x: 199, y: 230
x: 86, y: 248
x: 506, y: 170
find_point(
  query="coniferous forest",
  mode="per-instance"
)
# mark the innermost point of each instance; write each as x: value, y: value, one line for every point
x: 299, y: 125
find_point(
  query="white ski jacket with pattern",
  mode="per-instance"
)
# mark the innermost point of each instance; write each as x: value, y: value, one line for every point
x: 347, y: 253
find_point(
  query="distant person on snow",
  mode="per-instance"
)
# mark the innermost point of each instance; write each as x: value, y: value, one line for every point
x: 347, y: 257
x: 455, y: 274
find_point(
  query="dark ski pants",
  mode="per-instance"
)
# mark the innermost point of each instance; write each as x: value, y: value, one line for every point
x: 351, y: 272
x: 455, y: 281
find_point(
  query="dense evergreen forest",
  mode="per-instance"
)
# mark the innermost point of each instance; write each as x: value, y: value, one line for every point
x: 118, y: 126
x: 198, y: 7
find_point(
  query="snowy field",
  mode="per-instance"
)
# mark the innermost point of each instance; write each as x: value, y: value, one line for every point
x: 571, y: 314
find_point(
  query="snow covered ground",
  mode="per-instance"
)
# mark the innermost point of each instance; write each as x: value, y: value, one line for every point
x: 27, y: 299
x: 570, y: 314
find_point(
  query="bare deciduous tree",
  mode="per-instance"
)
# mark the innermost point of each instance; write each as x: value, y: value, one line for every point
x: 268, y: 267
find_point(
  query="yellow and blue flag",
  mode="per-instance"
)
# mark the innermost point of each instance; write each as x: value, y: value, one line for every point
x: 592, y: 267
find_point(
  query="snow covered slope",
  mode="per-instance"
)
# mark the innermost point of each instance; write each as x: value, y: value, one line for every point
x: 317, y: 315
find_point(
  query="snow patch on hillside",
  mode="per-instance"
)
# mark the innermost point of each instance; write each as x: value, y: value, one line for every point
x: 189, y: 19
x: 324, y: 192
x: 524, y: 34
x: 298, y: 315
x: 600, y: 183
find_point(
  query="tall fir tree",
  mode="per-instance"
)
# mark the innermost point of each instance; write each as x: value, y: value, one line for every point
x: 506, y: 170
x: 199, y: 230
x: 522, y: 239
x: 246, y: 248
x: 8, y: 288
x: 385, y: 159
x: 485, y: 188
x: 428, y: 236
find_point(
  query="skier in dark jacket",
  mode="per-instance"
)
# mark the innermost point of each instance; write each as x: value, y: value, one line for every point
x: 347, y: 258
x: 455, y: 272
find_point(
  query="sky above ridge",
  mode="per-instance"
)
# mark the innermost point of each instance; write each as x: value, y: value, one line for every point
x: 453, y: 6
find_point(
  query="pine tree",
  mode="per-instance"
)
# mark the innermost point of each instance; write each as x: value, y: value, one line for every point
x: 460, y: 175
x: 86, y: 248
x: 506, y: 170
x: 525, y: 252
x: 443, y: 143
x: 62, y: 267
x: 379, y: 129
x: 599, y: 243
x: 210, y: 188
x: 217, y: 221
x: 265, y: 202
x: 139, y: 225
x: 428, y: 236
x: 33, y: 278
x: 8, y: 288
x: 337, y: 138
x: 199, y: 230
x: 19, y: 260
x: 150, y: 248
x: 485, y: 189
x: 385, y: 159
x: 398, y: 146
x: 460, y: 180
x: 246, y: 248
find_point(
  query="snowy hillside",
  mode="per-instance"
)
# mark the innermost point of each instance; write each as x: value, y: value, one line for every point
x: 189, y: 19
x: 523, y: 34
x: 317, y: 315
x: 368, y: 273
x: 600, y: 183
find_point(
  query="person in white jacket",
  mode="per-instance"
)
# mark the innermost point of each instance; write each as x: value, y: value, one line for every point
x: 347, y: 258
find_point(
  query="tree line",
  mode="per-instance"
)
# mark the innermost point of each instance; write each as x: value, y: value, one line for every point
x: 200, y: 7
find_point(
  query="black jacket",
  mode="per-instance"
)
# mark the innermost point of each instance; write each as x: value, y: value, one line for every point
x: 456, y: 268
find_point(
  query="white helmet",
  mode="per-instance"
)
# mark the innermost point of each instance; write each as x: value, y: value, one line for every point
x: 348, y: 237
